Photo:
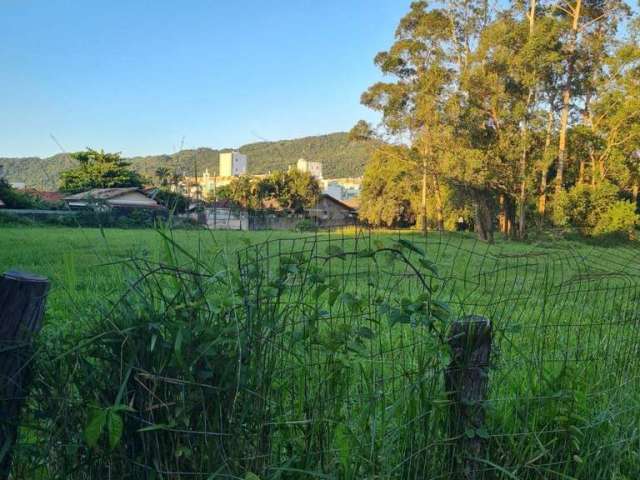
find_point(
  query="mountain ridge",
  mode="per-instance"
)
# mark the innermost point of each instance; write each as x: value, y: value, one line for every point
x: 340, y: 158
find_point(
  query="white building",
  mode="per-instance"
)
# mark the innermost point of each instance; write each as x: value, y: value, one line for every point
x: 335, y: 190
x: 232, y: 164
x: 314, y: 168
x: 342, y: 188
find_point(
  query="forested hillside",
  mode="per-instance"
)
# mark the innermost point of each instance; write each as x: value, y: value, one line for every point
x: 340, y: 158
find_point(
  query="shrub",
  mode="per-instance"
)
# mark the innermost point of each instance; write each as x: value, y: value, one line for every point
x: 306, y: 225
x: 593, y: 210
x: 16, y: 199
x: 621, y: 217
x: 11, y: 220
x: 173, y: 201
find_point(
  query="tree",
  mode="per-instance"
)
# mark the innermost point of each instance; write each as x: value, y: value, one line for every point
x: 591, y: 25
x: 414, y: 104
x: 98, y: 169
x: 391, y: 188
x: 292, y: 190
x: 361, y: 131
x: 163, y: 174
x: 13, y: 198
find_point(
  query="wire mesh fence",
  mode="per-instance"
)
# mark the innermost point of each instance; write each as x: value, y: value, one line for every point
x: 353, y: 336
x: 351, y: 354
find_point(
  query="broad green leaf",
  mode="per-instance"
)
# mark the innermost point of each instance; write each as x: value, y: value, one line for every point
x: 94, y: 428
x: 115, y: 426
x: 333, y: 295
x: 178, y: 346
x: 410, y: 246
x: 429, y: 265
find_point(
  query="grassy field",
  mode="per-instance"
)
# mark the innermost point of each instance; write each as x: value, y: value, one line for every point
x: 330, y: 347
x: 85, y: 265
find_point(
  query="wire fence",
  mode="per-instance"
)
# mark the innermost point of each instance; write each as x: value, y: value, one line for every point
x: 352, y: 354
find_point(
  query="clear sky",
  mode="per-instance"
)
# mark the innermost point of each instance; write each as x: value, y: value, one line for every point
x: 137, y: 76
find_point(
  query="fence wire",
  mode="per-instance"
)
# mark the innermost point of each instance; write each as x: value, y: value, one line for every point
x: 354, y: 365
x: 329, y: 355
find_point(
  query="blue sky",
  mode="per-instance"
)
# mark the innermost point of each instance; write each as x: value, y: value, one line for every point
x: 138, y: 76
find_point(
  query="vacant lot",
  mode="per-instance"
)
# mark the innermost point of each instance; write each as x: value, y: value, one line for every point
x: 325, y: 354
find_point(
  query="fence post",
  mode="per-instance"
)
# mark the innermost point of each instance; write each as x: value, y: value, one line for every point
x: 466, y: 381
x: 22, y: 300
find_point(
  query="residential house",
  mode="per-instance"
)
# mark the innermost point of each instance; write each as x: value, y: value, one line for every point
x: 330, y: 211
x: 121, y: 198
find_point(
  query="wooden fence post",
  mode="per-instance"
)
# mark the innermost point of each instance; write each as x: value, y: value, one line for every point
x: 22, y: 300
x: 466, y: 381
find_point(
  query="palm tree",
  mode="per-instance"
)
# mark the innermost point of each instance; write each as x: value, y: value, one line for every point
x: 163, y: 174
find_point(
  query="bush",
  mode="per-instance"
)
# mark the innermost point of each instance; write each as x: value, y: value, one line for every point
x: 306, y: 225
x: 12, y: 220
x: 173, y: 201
x: 621, y: 217
x: 594, y: 210
x: 13, y: 198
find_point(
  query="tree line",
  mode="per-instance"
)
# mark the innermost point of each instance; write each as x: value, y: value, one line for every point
x: 525, y: 113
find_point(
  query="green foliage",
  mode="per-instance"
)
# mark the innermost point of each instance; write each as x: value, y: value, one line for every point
x: 292, y: 190
x: 306, y: 225
x: 619, y: 218
x: 595, y: 210
x: 173, y: 201
x: 13, y: 198
x: 360, y: 353
x: 390, y: 188
x: 98, y: 169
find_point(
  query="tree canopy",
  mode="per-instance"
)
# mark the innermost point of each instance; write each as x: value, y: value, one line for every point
x: 292, y: 190
x: 98, y: 169
x: 501, y: 109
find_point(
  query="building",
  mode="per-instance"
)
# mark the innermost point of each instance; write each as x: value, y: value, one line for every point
x: 342, y: 188
x: 232, y: 164
x: 334, y: 190
x: 313, y: 168
x: 330, y: 211
x: 130, y: 197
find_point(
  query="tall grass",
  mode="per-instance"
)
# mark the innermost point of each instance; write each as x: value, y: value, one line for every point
x: 324, y: 357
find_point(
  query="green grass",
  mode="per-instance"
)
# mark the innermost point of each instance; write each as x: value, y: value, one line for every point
x: 84, y: 264
x: 310, y: 361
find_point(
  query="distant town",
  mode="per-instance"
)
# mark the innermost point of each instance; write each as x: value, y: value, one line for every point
x: 235, y: 164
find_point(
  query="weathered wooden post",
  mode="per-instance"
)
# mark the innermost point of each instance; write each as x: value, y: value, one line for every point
x: 22, y: 300
x: 466, y: 381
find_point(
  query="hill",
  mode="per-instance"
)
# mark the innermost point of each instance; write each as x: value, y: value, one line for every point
x: 339, y: 156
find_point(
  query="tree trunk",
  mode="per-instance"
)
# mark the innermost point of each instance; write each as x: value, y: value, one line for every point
x: 566, y: 97
x: 483, y: 216
x: 502, y: 214
x: 542, y: 200
x: 634, y: 194
x: 581, y: 172
x: 439, y: 205
x: 522, y: 201
x: 424, y: 195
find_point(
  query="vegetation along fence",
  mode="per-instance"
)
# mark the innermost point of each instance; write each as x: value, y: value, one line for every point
x: 351, y: 356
